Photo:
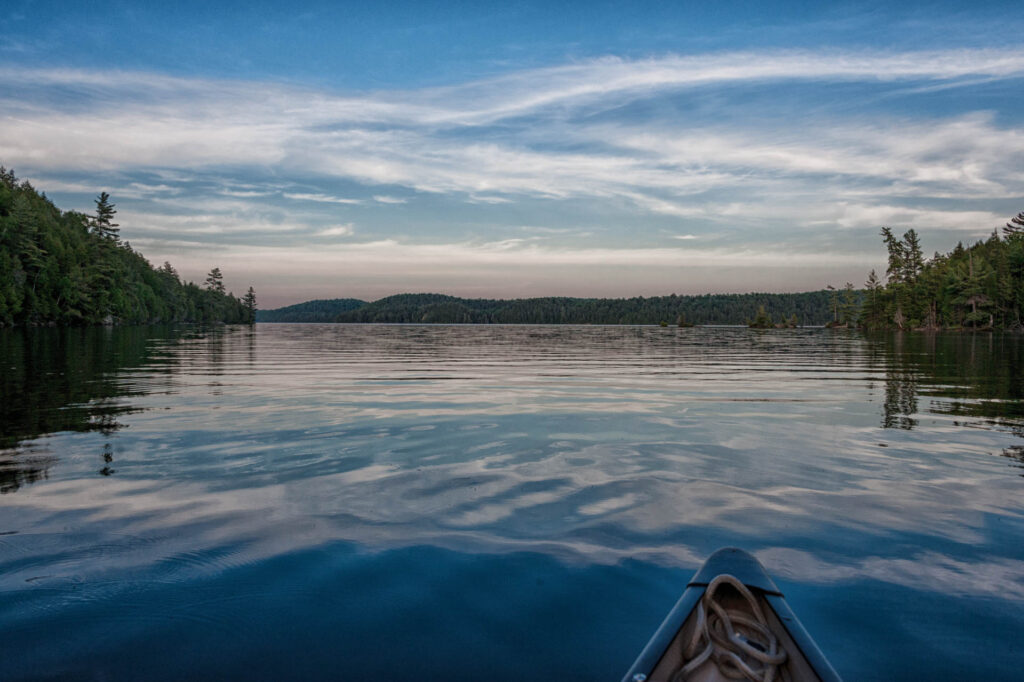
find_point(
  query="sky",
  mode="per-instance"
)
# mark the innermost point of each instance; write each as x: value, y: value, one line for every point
x: 500, y: 150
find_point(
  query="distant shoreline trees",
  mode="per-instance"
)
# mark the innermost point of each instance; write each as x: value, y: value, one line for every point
x: 66, y: 268
x: 730, y: 309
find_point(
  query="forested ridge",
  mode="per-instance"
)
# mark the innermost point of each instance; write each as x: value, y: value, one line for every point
x: 319, y: 310
x: 68, y: 268
x: 977, y: 287
x: 814, y: 308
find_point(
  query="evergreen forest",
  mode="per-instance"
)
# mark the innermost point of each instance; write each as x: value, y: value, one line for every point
x: 311, y: 311
x: 67, y: 268
x: 813, y: 307
x: 977, y: 287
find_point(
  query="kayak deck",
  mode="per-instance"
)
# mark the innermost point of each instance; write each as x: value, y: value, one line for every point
x: 663, y: 656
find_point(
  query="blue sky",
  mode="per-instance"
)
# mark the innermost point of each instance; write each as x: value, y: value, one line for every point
x: 520, y: 149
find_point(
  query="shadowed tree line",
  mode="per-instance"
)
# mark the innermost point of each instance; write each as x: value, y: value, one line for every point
x: 808, y: 307
x: 310, y: 311
x: 977, y: 287
x: 67, y: 268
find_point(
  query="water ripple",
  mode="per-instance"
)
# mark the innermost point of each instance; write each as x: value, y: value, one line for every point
x: 219, y: 469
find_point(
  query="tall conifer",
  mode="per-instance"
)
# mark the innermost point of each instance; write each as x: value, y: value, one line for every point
x: 249, y: 301
x: 1015, y: 227
x: 215, y: 281
x: 103, y: 222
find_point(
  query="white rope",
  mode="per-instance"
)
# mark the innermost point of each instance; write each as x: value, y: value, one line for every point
x: 739, y: 643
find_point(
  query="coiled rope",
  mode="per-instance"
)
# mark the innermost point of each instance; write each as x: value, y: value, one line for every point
x: 739, y: 643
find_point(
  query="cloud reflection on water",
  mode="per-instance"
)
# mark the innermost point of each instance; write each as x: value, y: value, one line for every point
x: 590, y: 444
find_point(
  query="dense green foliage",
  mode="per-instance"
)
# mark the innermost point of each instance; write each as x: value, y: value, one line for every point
x: 311, y: 311
x: 63, y: 267
x: 975, y: 287
x: 762, y: 320
x: 810, y: 308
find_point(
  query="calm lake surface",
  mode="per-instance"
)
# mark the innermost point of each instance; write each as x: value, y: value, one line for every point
x: 498, y: 502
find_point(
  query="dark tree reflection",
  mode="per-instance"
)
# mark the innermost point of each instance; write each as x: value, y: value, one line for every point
x: 68, y: 379
x: 108, y: 458
x: 28, y: 466
x: 976, y: 377
x: 1016, y: 453
x: 900, y: 404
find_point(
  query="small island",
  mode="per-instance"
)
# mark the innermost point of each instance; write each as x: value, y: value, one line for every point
x: 764, y: 321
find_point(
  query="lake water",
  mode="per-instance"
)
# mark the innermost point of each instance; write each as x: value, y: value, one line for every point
x: 498, y: 502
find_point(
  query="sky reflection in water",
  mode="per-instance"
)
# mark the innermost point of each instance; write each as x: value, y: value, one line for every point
x: 511, y: 501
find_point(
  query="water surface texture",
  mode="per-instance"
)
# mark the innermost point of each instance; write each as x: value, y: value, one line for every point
x: 498, y: 502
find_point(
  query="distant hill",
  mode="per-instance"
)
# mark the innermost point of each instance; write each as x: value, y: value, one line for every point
x: 813, y: 308
x: 321, y: 310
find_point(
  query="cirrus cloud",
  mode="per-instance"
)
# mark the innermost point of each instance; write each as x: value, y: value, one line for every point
x: 644, y: 151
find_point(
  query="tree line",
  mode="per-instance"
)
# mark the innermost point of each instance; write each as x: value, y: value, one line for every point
x: 808, y: 307
x: 976, y: 287
x: 68, y: 268
x: 311, y: 311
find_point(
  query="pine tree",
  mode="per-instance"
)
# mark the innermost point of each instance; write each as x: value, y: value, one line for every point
x: 249, y: 301
x: 834, y: 301
x: 215, y: 281
x: 912, y: 297
x: 913, y: 259
x: 762, y: 320
x: 874, y: 305
x: 103, y: 223
x: 168, y: 271
x: 895, y: 247
x: 972, y: 292
x: 1015, y: 228
x: 848, y: 310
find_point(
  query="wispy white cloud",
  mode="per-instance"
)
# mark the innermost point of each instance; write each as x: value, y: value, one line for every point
x: 865, y: 216
x: 532, y: 139
x: 158, y: 244
x: 245, y: 194
x: 479, y: 199
x: 541, y: 229
x: 241, y: 123
x: 614, y: 78
x: 337, y: 231
x: 529, y: 252
x: 322, y: 198
x: 154, y: 224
